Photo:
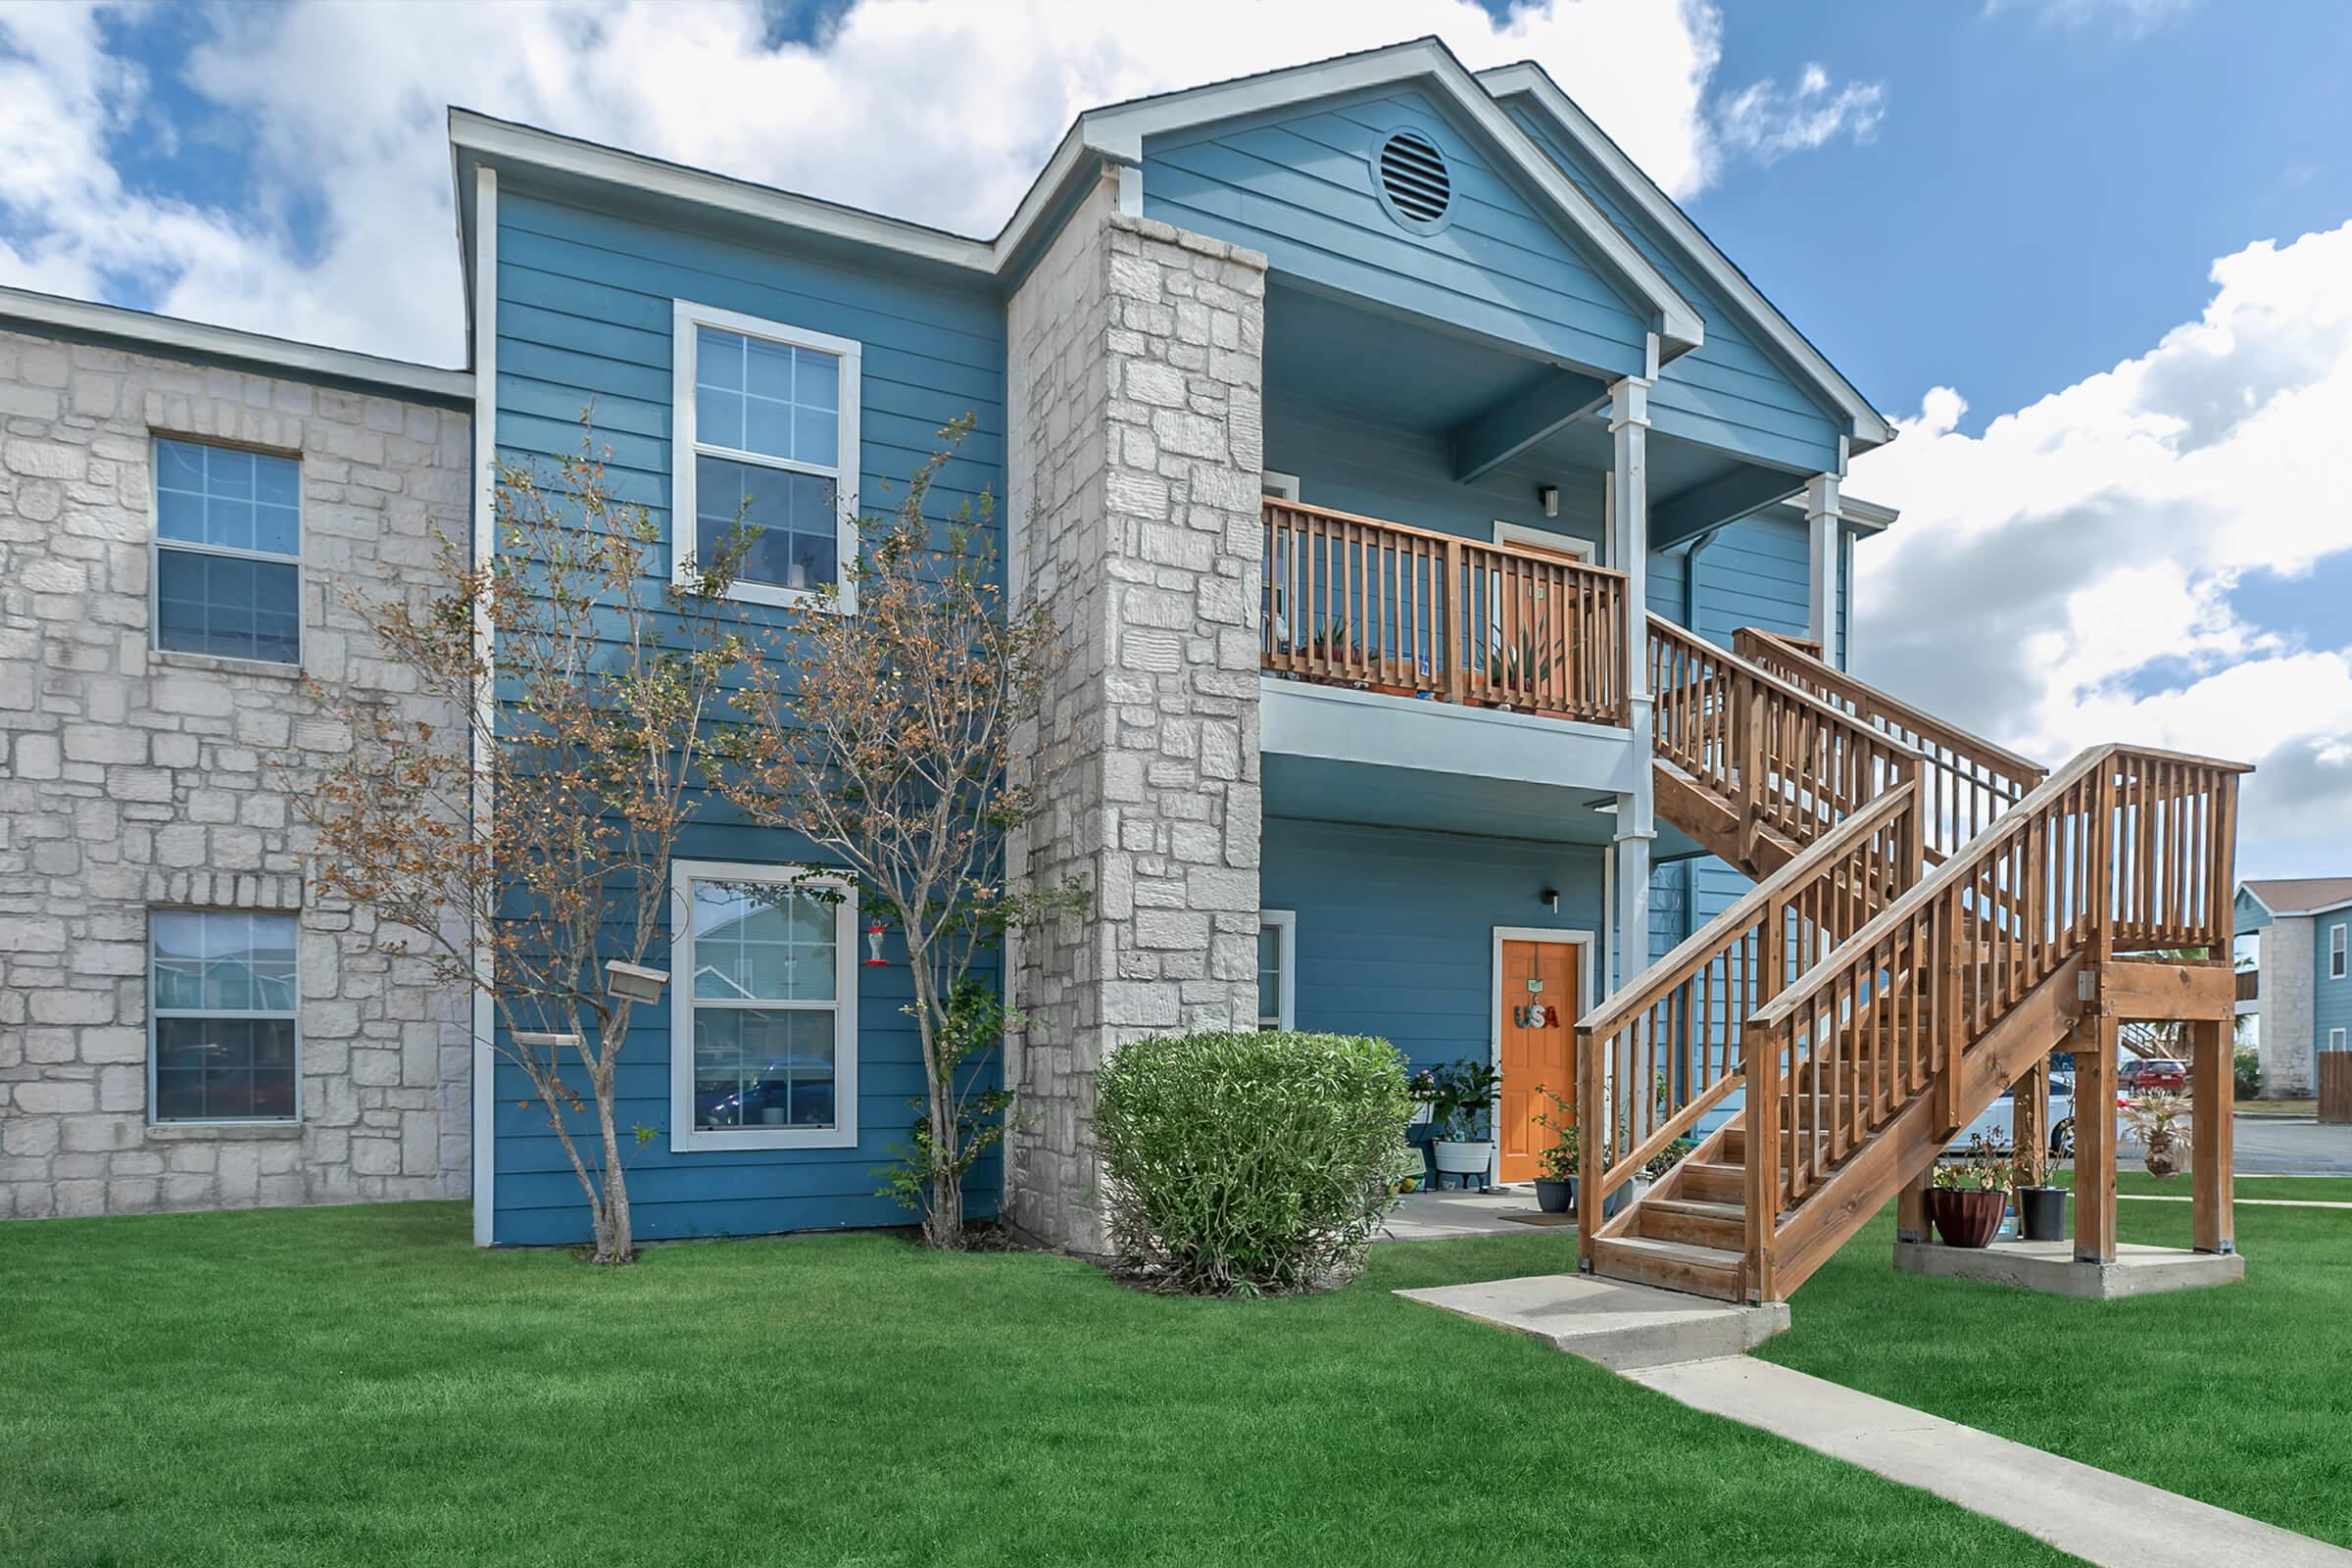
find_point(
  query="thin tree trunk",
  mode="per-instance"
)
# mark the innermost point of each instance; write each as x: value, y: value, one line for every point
x: 615, y: 1241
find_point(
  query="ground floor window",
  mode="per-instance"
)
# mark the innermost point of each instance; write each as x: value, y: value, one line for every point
x: 221, y: 997
x: 1276, y: 959
x: 763, y: 1042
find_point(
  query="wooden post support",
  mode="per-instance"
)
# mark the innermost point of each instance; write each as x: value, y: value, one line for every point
x: 2095, y: 1137
x: 2211, y: 1092
x: 2029, y: 1109
x: 1592, y: 1125
x: 1911, y: 1208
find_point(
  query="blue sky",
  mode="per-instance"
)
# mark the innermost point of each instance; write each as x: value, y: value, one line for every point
x: 2093, y: 256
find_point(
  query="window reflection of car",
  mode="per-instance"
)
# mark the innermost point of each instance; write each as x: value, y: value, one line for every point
x: 790, y: 1092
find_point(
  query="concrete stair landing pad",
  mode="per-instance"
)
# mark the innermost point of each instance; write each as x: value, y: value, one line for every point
x: 1610, y: 1321
x: 2050, y: 1267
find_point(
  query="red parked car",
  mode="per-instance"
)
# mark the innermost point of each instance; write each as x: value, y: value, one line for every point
x: 2152, y: 1075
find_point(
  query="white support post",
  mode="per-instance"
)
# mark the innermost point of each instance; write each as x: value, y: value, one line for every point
x: 1637, y: 815
x: 1824, y: 527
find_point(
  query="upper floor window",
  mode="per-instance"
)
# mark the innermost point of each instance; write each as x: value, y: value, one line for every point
x: 228, y: 553
x: 764, y: 1043
x: 2336, y: 953
x: 767, y: 438
x: 221, y: 1000
x: 1277, y: 968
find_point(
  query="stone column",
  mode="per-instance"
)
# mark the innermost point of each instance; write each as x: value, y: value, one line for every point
x: 2287, y: 949
x: 1132, y: 360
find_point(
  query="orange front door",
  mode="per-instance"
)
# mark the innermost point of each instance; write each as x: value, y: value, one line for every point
x: 1538, y: 1048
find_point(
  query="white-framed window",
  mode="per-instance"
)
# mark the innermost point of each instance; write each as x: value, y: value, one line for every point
x: 224, y: 1040
x: 2336, y: 953
x: 763, y: 1022
x: 227, y: 567
x: 1277, y: 968
x: 2336, y: 1040
x: 1548, y: 539
x: 765, y: 419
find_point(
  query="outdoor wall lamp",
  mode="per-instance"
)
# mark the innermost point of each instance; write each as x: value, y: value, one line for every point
x: 631, y: 982
x: 1552, y: 896
x: 1550, y: 495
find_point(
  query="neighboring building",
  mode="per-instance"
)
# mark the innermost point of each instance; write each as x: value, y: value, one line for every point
x: 1378, y: 286
x: 2302, y: 931
x: 183, y: 1024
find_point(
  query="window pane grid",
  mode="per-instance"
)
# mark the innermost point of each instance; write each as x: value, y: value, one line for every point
x: 221, y: 996
x: 764, y: 997
x: 229, y: 540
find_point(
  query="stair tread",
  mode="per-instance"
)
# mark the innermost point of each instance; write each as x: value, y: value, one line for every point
x: 1704, y: 1207
x: 1689, y: 1252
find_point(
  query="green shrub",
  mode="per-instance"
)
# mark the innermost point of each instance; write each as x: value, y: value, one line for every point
x: 2246, y: 1073
x: 1245, y: 1163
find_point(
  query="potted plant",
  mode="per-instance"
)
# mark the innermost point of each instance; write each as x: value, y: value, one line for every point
x: 2040, y: 1207
x: 2156, y: 1121
x: 1967, y: 1200
x: 1422, y: 1131
x: 1463, y: 1110
x: 1555, y: 1166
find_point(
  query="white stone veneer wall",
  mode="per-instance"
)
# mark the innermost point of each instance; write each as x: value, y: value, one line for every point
x: 2288, y: 1071
x: 132, y: 779
x: 1135, y: 441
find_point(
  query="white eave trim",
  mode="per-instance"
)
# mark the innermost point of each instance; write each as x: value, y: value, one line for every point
x: 80, y: 318
x: 1115, y: 135
x: 1503, y: 81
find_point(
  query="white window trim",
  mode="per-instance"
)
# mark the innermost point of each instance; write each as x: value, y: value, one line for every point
x: 1568, y: 937
x: 684, y: 1135
x: 157, y: 544
x: 155, y: 1012
x: 1278, y: 486
x: 1521, y: 533
x: 685, y: 317
x: 2336, y: 959
x: 1286, y: 958
x: 2336, y: 1040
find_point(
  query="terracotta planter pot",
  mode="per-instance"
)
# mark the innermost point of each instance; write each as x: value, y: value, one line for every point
x: 1966, y: 1219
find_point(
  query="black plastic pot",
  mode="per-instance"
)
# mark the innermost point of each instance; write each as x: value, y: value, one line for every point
x: 1555, y: 1196
x: 2041, y: 1213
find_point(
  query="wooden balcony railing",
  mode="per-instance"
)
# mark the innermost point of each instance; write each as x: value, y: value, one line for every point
x: 1360, y: 601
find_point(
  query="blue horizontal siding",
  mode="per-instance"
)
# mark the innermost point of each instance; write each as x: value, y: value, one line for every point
x: 2331, y: 997
x: 1299, y: 185
x: 1396, y: 929
x: 1732, y: 392
x: 584, y: 313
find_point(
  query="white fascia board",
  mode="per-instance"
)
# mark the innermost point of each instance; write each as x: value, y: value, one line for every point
x: 1119, y: 133
x: 171, y: 335
x: 1860, y: 517
x: 1870, y: 428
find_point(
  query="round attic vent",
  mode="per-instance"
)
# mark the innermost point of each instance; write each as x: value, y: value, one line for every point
x: 1415, y: 180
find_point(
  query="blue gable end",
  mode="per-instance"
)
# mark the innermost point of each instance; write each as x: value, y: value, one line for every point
x: 1299, y: 185
x: 583, y: 317
x: 1730, y: 392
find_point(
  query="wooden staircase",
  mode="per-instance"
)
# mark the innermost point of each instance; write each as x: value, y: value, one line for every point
x: 1931, y: 915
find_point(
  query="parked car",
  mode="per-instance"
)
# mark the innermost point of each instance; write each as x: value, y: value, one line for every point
x: 1999, y: 1118
x: 2150, y: 1075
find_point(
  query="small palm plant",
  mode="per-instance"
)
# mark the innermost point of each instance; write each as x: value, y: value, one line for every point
x: 2158, y: 1121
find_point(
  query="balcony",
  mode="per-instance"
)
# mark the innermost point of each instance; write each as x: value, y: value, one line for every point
x: 1381, y: 607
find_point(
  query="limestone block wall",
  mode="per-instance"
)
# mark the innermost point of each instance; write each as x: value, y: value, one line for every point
x: 1134, y: 353
x: 133, y: 779
x: 2287, y: 949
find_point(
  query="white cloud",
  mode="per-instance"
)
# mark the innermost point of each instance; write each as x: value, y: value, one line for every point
x: 934, y: 112
x: 1768, y: 125
x: 2064, y: 578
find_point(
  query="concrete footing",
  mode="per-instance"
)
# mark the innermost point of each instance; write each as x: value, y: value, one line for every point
x: 1609, y: 1321
x: 2050, y: 1267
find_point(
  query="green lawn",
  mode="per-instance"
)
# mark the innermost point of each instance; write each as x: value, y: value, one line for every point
x: 2239, y: 1395
x: 2309, y: 1189
x: 359, y: 1386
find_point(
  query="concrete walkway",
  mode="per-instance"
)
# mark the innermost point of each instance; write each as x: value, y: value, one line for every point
x: 2241, y: 1203
x: 2098, y: 1516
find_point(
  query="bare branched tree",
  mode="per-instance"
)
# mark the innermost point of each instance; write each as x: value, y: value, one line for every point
x: 887, y: 739
x: 532, y: 843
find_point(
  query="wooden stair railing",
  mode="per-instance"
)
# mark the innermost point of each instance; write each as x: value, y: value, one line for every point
x: 1361, y: 601
x: 1859, y: 1072
x: 1969, y: 782
x: 1791, y: 765
x: 1677, y: 1025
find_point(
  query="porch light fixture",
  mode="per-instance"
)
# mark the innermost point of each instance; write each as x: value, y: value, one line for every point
x: 1552, y: 896
x: 631, y: 982
x: 1550, y: 495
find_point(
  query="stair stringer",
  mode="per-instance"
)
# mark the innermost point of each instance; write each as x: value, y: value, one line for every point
x: 1911, y: 1140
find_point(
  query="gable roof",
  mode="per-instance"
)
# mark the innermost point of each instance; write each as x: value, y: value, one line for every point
x: 2301, y: 895
x: 1871, y: 428
x: 1114, y: 133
